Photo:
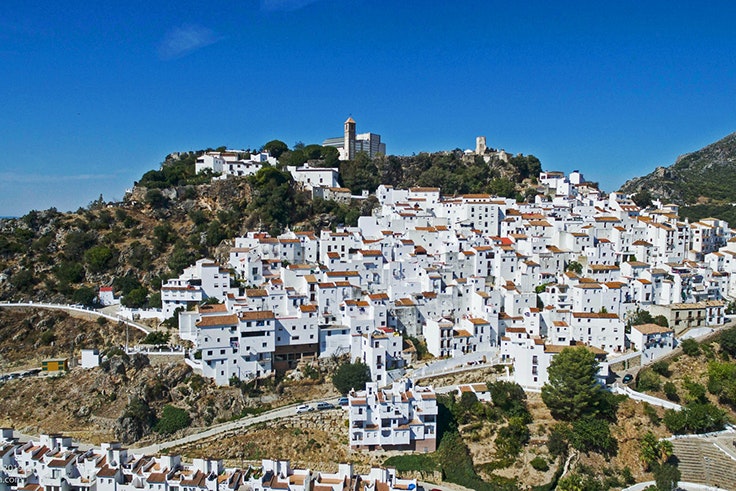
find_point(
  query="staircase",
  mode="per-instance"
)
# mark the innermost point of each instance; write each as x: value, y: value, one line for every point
x: 703, y: 461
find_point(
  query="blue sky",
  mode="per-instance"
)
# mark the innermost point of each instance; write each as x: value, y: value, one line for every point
x: 96, y: 93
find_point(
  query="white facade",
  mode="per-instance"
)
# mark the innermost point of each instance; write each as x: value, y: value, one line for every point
x: 310, y: 177
x: 402, y: 417
x: 53, y: 463
x: 652, y: 340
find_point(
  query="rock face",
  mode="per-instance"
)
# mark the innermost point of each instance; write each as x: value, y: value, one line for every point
x: 129, y: 429
x: 701, y: 176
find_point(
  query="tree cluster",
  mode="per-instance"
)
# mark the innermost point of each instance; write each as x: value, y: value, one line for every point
x: 175, y: 172
x: 574, y: 396
x: 349, y: 376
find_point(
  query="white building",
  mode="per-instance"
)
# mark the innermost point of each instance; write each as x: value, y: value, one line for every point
x: 205, y: 279
x: 652, y: 340
x: 380, y: 349
x: 311, y: 177
x: 53, y: 463
x: 402, y: 417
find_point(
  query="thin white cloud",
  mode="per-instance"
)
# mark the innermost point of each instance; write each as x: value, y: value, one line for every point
x: 284, y: 5
x: 9, y: 177
x: 182, y: 40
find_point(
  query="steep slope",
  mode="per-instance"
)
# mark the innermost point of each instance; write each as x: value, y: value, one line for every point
x: 700, y: 177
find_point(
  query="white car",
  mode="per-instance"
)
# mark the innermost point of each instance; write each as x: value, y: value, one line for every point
x: 304, y: 408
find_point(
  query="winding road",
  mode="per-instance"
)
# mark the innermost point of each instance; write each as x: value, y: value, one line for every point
x: 76, y: 309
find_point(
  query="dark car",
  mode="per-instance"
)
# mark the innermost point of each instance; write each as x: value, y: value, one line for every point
x: 627, y: 378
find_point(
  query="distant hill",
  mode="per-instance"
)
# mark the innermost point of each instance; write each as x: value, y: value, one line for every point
x: 704, y: 177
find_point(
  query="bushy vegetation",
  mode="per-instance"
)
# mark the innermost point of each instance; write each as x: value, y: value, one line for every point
x: 640, y: 317
x: 705, y: 173
x: 175, y: 172
x: 695, y: 417
x: 350, y: 376
x: 654, y: 452
x: 573, y: 391
x: 690, y: 347
x: 648, y: 380
x: 172, y: 420
x: 156, y: 338
x: 584, y: 409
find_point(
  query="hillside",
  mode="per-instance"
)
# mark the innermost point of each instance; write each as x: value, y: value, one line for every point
x: 123, y: 398
x: 173, y: 217
x: 701, y: 177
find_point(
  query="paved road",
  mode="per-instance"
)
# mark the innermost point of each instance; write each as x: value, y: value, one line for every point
x: 282, y: 412
x: 75, y: 309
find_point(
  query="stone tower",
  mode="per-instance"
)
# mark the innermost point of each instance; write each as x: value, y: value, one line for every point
x: 349, y: 145
x: 480, y: 145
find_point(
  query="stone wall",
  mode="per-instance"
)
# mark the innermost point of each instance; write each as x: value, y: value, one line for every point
x: 620, y: 366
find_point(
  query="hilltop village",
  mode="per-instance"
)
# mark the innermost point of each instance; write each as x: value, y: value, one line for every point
x: 468, y: 275
x: 427, y: 283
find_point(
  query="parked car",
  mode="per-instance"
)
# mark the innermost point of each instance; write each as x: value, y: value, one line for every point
x: 627, y: 378
x: 304, y: 408
x: 325, y: 405
x: 343, y: 401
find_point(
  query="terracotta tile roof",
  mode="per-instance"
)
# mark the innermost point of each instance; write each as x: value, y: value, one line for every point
x: 107, y: 472
x: 156, y: 477
x: 595, y: 315
x: 211, y: 308
x: 218, y: 320
x: 250, y: 315
x: 345, y: 274
x: 652, y: 329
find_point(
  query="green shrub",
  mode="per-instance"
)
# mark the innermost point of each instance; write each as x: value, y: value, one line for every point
x: 557, y: 443
x: 728, y: 340
x: 351, y: 376
x: 662, y: 368
x: 647, y: 381
x: 592, y: 434
x: 311, y: 373
x: 690, y: 347
x: 651, y: 413
x: 457, y: 464
x: 670, y: 391
x: 48, y: 337
x: 666, y: 476
x: 172, y: 420
x: 695, y: 417
x: 539, y: 464
x: 412, y: 462
x: 511, y: 438
x: 156, y: 338
x: 196, y: 381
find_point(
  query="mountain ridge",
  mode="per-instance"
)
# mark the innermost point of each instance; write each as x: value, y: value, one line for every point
x: 698, y: 177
